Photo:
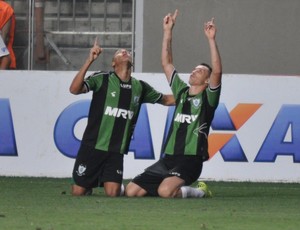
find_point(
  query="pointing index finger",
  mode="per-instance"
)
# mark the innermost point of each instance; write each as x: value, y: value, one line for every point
x: 175, y: 14
x: 96, y: 42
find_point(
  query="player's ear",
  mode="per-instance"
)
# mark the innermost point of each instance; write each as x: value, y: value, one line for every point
x: 113, y: 63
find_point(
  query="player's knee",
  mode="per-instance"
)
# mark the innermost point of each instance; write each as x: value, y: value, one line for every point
x: 129, y: 192
x: 77, y: 193
x: 112, y: 193
x: 133, y: 190
x: 165, y: 192
x: 112, y: 189
x: 77, y: 190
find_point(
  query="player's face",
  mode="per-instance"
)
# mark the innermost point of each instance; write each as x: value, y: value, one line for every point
x: 199, y: 75
x: 122, y: 55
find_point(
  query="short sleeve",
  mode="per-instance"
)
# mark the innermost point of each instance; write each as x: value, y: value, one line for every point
x: 94, y: 81
x: 213, y: 95
x: 150, y: 94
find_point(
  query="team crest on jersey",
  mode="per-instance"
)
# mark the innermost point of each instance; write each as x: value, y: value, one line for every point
x: 81, y: 170
x: 136, y: 100
x: 196, y: 102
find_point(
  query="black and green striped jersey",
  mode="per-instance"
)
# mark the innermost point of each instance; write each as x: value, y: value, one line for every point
x: 114, y: 110
x: 191, y: 120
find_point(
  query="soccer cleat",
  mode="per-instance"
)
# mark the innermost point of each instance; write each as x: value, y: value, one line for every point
x: 202, y: 186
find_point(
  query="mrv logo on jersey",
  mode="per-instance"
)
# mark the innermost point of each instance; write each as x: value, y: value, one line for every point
x: 116, y: 112
x: 185, y: 118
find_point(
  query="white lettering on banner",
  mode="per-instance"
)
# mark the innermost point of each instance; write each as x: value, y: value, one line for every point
x: 182, y: 118
x: 116, y: 112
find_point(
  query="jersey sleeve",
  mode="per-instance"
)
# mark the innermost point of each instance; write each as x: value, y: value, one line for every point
x: 150, y: 94
x: 213, y: 95
x: 176, y: 83
x: 94, y: 81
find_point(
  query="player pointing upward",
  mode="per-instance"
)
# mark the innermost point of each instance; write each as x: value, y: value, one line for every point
x: 107, y: 135
x: 186, y: 147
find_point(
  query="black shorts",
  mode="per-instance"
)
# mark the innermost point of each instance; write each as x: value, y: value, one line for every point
x: 187, y: 168
x: 94, y: 167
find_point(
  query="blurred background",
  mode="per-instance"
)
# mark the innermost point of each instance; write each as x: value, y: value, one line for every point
x: 57, y: 34
x: 254, y: 37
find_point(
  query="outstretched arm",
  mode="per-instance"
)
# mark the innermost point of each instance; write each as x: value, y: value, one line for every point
x: 168, y: 100
x: 77, y: 86
x: 216, y: 64
x: 166, y: 53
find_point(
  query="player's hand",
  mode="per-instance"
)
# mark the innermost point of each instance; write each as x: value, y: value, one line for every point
x: 95, y: 51
x: 210, y: 29
x: 169, y: 20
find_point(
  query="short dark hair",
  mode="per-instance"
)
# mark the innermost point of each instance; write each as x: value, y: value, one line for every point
x: 208, y: 66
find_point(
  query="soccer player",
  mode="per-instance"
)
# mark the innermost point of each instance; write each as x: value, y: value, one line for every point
x: 186, y: 147
x: 115, y: 105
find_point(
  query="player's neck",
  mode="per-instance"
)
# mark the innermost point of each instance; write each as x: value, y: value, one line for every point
x: 123, y: 73
x: 196, y: 89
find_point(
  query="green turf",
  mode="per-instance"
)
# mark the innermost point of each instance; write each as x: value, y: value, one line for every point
x: 46, y: 204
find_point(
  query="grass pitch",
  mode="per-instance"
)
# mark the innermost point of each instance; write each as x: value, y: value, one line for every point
x: 46, y: 204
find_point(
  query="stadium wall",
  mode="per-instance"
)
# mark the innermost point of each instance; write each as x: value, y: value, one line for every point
x: 255, y: 135
x: 254, y: 37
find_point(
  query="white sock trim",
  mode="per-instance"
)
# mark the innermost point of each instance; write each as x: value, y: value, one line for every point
x: 183, y: 192
x: 188, y: 192
x: 122, y: 192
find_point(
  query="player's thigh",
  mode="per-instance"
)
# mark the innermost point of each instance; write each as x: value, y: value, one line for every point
x: 113, y: 170
x: 88, y: 166
x: 188, y: 168
x: 148, y: 182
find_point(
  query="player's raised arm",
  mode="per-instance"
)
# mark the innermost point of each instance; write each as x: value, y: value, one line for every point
x: 166, y: 53
x: 77, y: 86
x: 216, y: 64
